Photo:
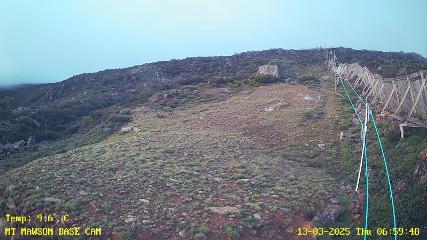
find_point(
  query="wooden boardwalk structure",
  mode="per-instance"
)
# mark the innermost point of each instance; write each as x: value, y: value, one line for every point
x: 404, y: 98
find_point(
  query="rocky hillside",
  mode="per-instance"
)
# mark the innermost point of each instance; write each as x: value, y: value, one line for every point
x: 97, y: 104
x: 200, y: 148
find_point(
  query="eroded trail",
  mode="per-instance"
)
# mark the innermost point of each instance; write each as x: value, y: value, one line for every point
x: 249, y: 165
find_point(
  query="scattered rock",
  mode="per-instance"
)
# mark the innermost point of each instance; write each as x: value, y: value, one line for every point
x: 290, y: 229
x: 35, y: 122
x: 400, y: 186
x: 126, y: 129
x: 52, y: 199
x: 82, y: 193
x: 243, y: 180
x: 224, y: 210
x: 20, y: 143
x: 217, y: 179
x: 182, y: 233
x: 334, y: 201
x: 20, y: 109
x: 310, y: 98
x: 130, y: 219
x: 257, y: 216
x: 10, y: 204
x: 287, y: 210
x: 130, y: 129
x: 348, y: 188
x: 274, y: 107
x: 144, y: 201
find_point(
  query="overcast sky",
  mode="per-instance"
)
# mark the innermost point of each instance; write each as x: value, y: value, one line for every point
x: 49, y: 41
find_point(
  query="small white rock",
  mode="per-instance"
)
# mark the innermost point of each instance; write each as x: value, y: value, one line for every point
x: 130, y: 218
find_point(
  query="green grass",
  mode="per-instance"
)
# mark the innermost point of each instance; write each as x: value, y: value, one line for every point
x: 70, y: 206
x: 231, y: 230
x: 402, y: 161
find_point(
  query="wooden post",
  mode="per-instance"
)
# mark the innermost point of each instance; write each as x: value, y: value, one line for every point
x: 389, y: 97
x: 402, y: 131
x: 421, y: 90
x: 403, y: 98
x: 378, y: 94
x: 373, y: 89
x: 397, y: 93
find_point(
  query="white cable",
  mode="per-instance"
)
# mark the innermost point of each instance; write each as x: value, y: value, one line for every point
x: 364, y: 143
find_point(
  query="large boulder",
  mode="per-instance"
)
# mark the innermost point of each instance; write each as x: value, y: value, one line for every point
x: 328, y: 215
x: 269, y: 70
x: 31, y: 141
x: 19, y: 144
x: 420, y: 173
x: 422, y: 156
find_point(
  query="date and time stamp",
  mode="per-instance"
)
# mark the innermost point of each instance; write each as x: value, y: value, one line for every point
x: 56, y: 219
x: 358, y: 231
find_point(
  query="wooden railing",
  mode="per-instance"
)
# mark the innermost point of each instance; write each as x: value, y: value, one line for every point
x: 403, y: 97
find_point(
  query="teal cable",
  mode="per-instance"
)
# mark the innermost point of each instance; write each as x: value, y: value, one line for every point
x: 388, y: 175
x: 384, y: 160
x: 366, y: 163
x: 357, y: 94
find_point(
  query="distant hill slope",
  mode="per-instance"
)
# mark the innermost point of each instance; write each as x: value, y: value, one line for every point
x: 96, y: 103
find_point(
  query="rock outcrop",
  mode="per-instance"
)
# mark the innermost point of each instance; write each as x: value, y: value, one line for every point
x: 31, y: 141
x: 420, y: 173
x: 269, y: 70
x: 328, y: 215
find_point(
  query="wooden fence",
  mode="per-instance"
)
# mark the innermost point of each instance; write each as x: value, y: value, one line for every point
x: 404, y: 98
